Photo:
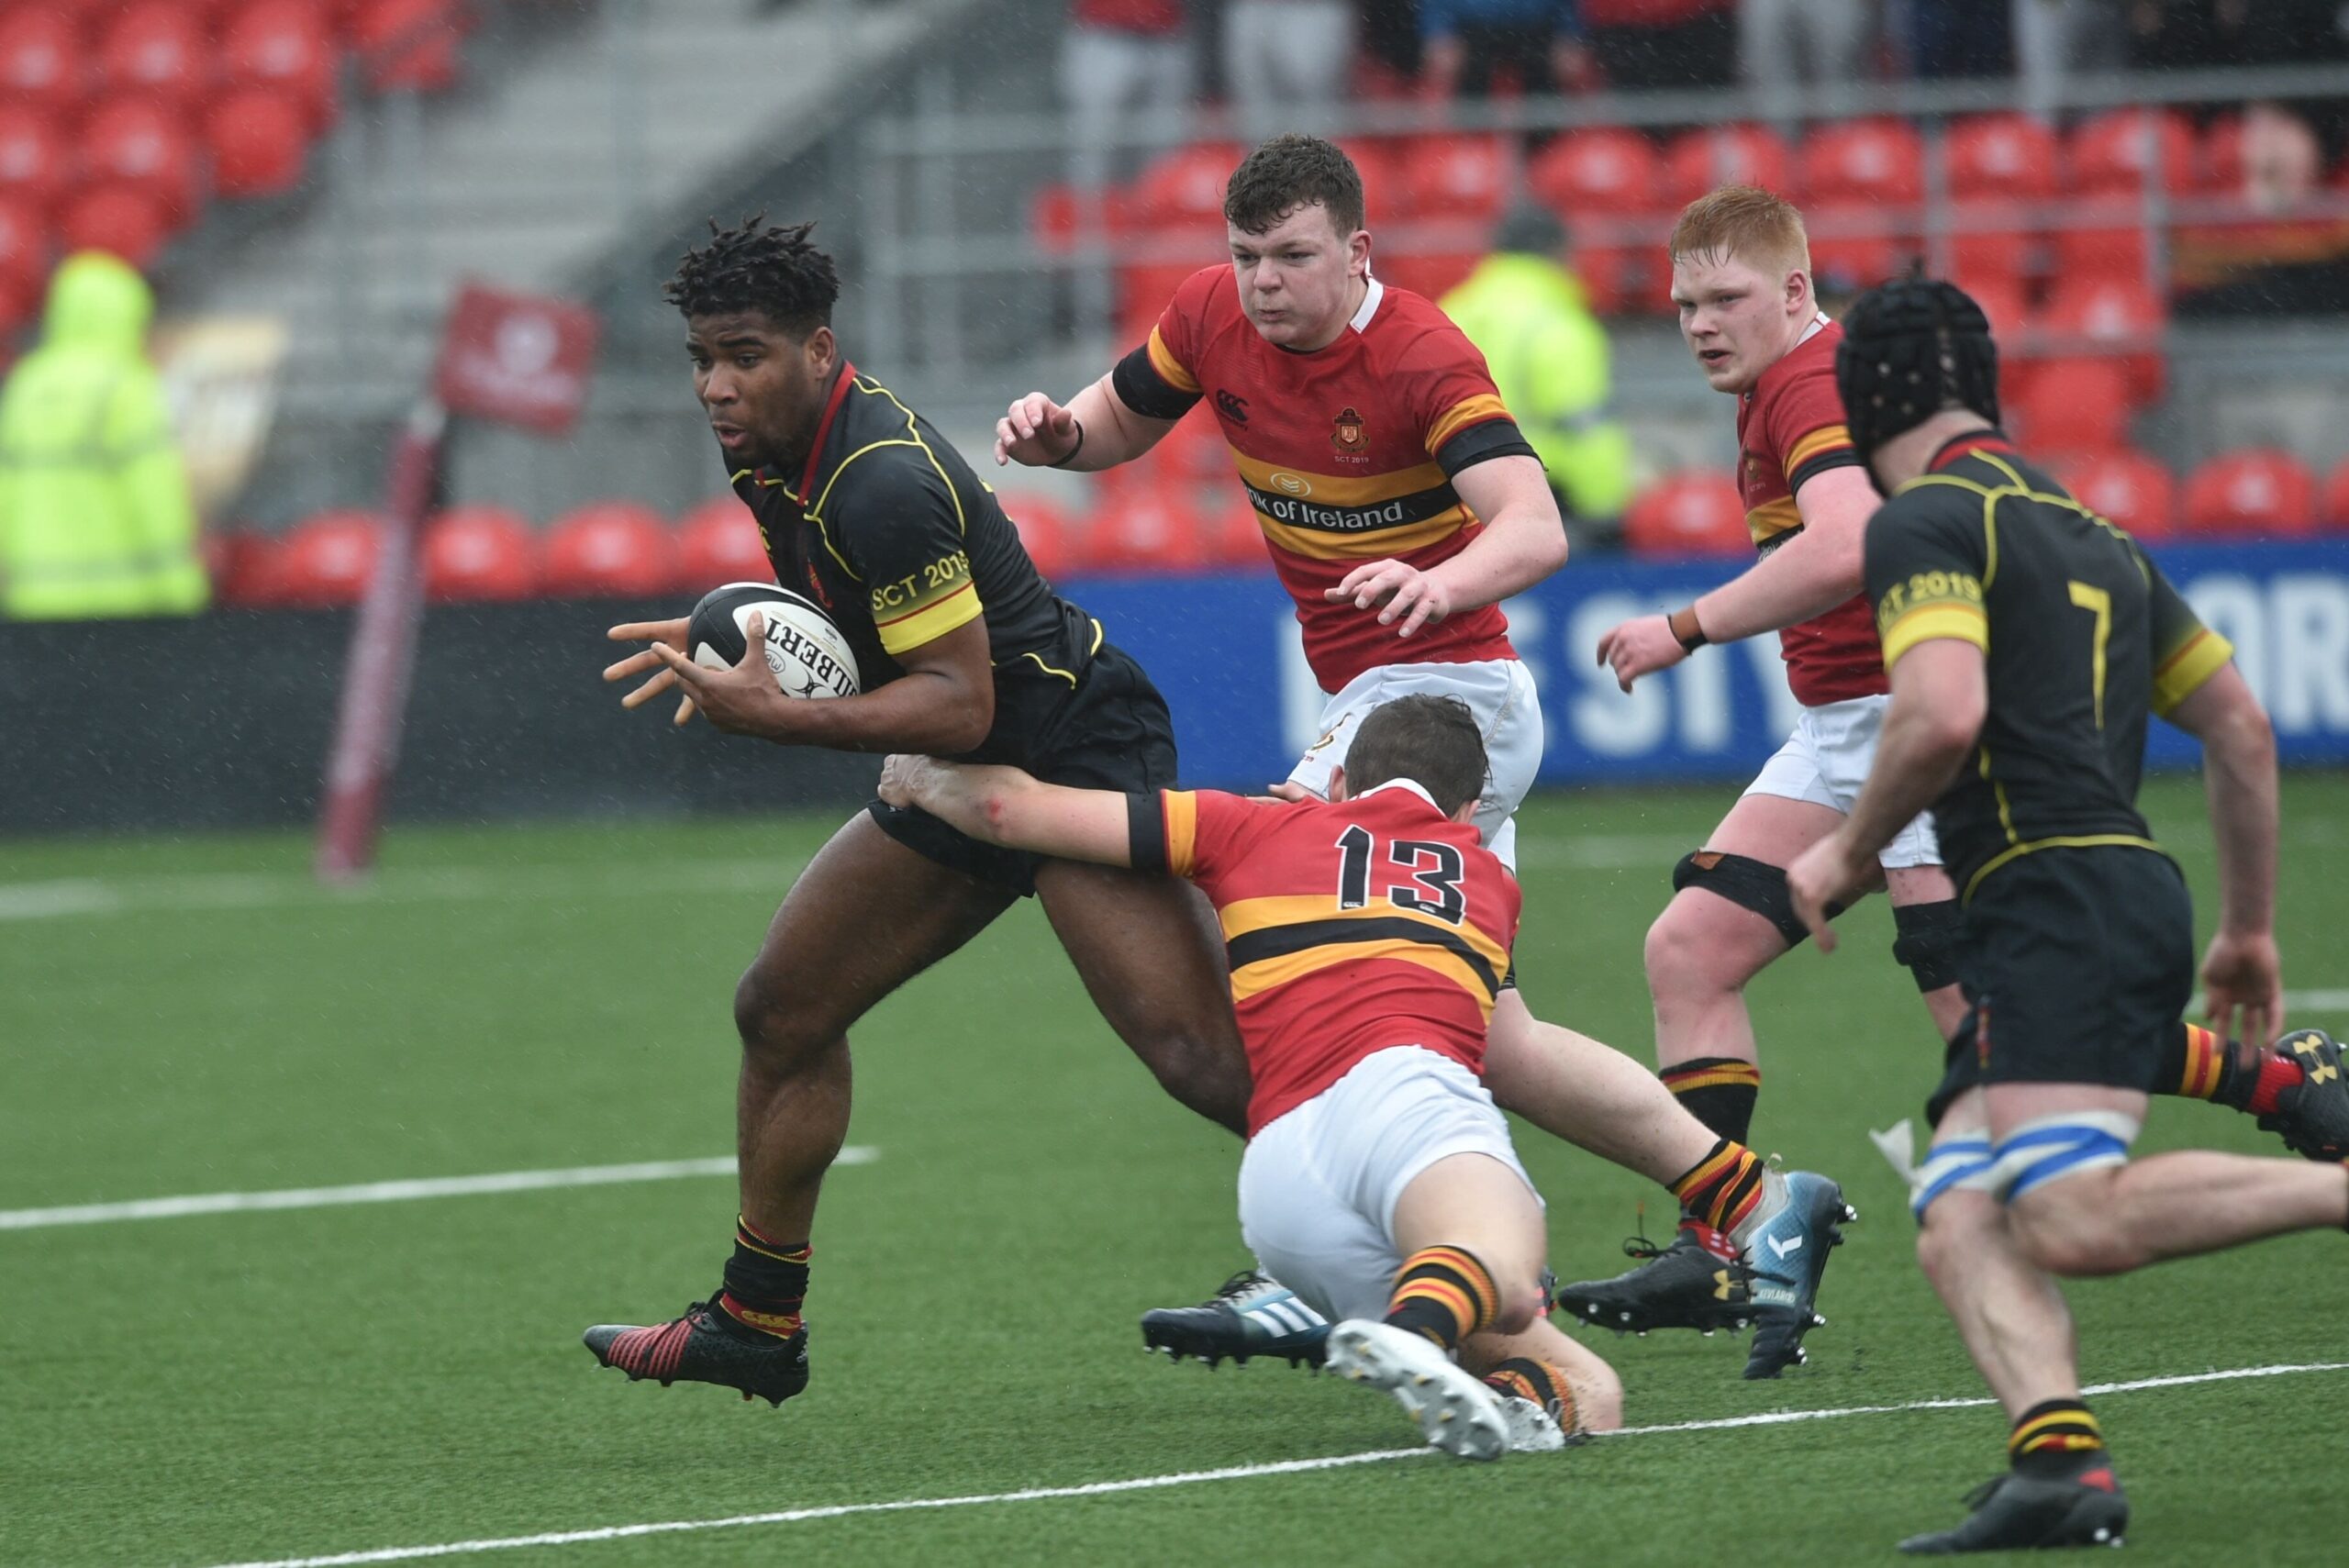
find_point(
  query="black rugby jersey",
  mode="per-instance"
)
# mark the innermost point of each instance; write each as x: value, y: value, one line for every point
x: 889, y: 529
x: 2082, y: 635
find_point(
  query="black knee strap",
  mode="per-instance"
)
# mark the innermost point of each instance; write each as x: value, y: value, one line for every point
x: 1750, y: 884
x: 1927, y: 942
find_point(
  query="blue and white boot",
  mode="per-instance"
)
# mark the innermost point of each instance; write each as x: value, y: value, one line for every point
x: 1784, y: 1246
x: 1251, y: 1315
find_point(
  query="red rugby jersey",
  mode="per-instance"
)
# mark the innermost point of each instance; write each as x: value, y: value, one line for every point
x: 1790, y: 427
x: 1350, y: 927
x: 1347, y: 454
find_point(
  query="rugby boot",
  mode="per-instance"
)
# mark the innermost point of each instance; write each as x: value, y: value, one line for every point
x: 1532, y: 1429
x: 1784, y: 1245
x: 2016, y: 1511
x: 1696, y: 1282
x: 705, y: 1346
x: 1251, y: 1315
x: 2313, y: 1116
x: 1457, y: 1413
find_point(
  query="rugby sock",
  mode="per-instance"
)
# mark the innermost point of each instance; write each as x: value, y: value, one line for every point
x: 766, y: 1282
x: 1522, y: 1377
x: 2052, y: 1437
x: 2203, y: 1067
x: 1444, y: 1294
x: 1718, y: 1091
x: 1722, y: 1188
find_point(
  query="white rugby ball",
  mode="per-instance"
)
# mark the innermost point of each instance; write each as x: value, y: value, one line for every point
x: 804, y: 649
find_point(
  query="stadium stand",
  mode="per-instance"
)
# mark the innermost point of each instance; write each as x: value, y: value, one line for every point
x: 618, y: 549
x: 2260, y: 491
x: 2128, y: 487
x: 1695, y: 513
x: 479, y: 554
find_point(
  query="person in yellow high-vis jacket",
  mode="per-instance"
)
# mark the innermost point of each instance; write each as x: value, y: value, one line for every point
x: 1528, y: 314
x: 95, y: 519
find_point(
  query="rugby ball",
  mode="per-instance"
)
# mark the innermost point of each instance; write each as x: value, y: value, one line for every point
x: 805, y: 650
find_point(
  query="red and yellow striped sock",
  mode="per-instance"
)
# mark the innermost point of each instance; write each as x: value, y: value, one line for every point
x: 1524, y: 1377
x: 1718, y: 1091
x: 766, y: 1281
x: 2050, y: 1437
x: 1723, y: 1187
x: 2199, y: 1065
x: 1444, y: 1294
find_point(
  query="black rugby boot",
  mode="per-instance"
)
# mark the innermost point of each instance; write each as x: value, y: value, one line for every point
x: 704, y: 1345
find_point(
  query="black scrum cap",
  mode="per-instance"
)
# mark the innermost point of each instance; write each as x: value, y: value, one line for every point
x: 1910, y: 349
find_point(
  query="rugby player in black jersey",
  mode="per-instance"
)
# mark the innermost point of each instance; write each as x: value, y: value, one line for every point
x: 2028, y: 640
x: 965, y: 652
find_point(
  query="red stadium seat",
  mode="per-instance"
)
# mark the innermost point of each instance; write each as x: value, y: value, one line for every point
x: 1842, y: 245
x: 2092, y: 315
x: 233, y: 558
x: 719, y: 543
x: 1608, y: 170
x: 36, y: 157
x: 1690, y: 513
x: 1044, y: 532
x: 1144, y: 527
x: 2075, y: 405
x: 2009, y: 156
x: 1144, y: 289
x: 2115, y: 248
x: 1992, y: 240
x: 1056, y: 218
x: 156, y: 50
x: 19, y: 302
x: 1731, y: 154
x: 24, y: 243
x: 137, y: 141
x: 2218, y: 159
x: 408, y: 45
x: 2257, y: 491
x: 608, y: 549
x: 1612, y: 276
x: 1183, y: 190
x: 123, y: 220
x: 288, y: 45
x: 1429, y: 274
x: 2127, y: 487
x: 1378, y: 162
x: 1872, y: 161
x: 42, y: 64
x: 260, y: 142
x: 1455, y: 177
x: 2336, y: 496
x: 479, y: 554
x: 2113, y: 154
x: 325, y: 561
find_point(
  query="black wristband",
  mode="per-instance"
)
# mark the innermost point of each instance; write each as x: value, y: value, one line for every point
x: 1063, y: 462
x: 1685, y: 629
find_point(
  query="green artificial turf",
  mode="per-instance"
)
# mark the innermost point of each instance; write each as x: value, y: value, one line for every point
x: 191, y: 1015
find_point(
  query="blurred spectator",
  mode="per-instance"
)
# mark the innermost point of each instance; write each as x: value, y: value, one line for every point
x: 2059, y: 39
x: 2284, y: 261
x: 1663, y: 43
x: 1936, y: 39
x: 1284, y: 61
x: 1784, y: 43
x: 1528, y: 315
x: 1465, y: 44
x: 1127, y: 76
x: 95, y: 516
x: 1389, y: 34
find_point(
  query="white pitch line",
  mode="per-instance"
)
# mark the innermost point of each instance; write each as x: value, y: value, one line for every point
x: 388, y: 1192
x: 2318, y: 1001
x: 1184, y: 1478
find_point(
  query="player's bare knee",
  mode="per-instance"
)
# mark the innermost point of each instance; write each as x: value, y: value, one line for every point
x: 2067, y: 1229
x: 1957, y: 1228
x: 1599, y: 1398
x: 1520, y: 1301
x: 1686, y: 958
x: 780, y: 1032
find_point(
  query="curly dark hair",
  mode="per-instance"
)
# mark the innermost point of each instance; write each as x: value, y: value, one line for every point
x: 1289, y: 172
x: 754, y: 267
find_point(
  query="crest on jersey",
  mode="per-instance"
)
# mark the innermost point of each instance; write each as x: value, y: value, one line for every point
x: 1347, y: 433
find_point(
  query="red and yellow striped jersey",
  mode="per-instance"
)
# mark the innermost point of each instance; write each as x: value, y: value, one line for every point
x: 1350, y: 927
x: 1347, y: 453
x: 1790, y: 428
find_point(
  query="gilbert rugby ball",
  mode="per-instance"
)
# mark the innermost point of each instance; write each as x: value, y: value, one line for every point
x: 805, y: 651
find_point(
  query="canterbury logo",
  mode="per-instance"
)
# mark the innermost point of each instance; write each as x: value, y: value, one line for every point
x: 1232, y: 408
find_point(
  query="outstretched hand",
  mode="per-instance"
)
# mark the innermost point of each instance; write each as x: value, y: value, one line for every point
x: 1399, y: 590
x: 1036, y: 432
x: 660, y: 633
x: 1639, y: 647
x: 744, y: 700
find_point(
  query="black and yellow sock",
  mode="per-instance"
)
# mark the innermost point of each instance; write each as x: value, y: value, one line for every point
x: 1523, y: 1377
x: 1722, y: 1188
x: 1444, y: 1294
x: 766, y: 1282
x: 1718, y: 1091
x: 2052, y: 1437
x: 2198, y: 1065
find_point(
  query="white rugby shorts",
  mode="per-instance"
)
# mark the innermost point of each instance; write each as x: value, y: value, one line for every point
x: 1499, y: 692
x: 1318, y: 1185
x: 1826, y: 759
